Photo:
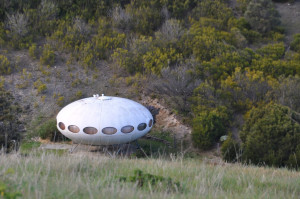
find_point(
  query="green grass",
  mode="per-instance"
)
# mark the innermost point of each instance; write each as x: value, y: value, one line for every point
x: 87, y: 175
x: 27, y: 147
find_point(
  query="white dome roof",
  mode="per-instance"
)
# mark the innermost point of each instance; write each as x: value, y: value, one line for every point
x: 104, y: 120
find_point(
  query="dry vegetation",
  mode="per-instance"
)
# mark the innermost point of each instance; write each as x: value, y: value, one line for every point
x: 82, y: 175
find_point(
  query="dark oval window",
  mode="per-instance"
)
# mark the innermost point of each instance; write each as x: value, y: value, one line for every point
x: 127, y: 129
x: 61, y: 126
x: 73, y: 128
x: 150, y: 123
x: 90, y: 130
x: 142, y: 126
x: 109, y: 130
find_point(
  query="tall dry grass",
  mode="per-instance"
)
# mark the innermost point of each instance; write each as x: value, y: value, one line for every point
x: 86, y: 175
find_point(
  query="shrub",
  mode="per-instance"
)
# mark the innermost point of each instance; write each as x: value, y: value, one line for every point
x: 5, y: 66
x: 33, y: 51
x: 157, y: 59
x: 262, y: 15
x: 271, y: 136
x: 10, y: 126
x: 273, y: 51
x: 231, y: 151
x: 60, y: 101
x: 295, y: 44
x: 209, y: 126
x: 215, y: 10
x: 48, y: 130
x: 48, y: 56
x: 40, y: 86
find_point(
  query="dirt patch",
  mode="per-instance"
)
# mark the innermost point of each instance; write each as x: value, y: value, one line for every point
x: 167, y: 121
x: 290, y: 18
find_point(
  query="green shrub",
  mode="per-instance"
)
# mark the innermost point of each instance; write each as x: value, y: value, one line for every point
x: 7, y: 191
x: 40, y: 86
x: 5, y: 66
x: 231, y: 151
x: 10, y: 124
x: 33, y: 51
x: 262, y: 15
x: 48, y: 130
x: 60, y: 101
x: 143, y: 180
x: 273, y: 51
x: 48, y: 56
x: 295, y: 44
x: 209, y: 126
x: 271, y: 136
x: 157, y: 59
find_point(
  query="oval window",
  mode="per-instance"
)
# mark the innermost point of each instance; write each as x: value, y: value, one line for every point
x: 90, y: 130
x: 109, y: 130
x: 73, y: 128
x: 61, y: 126
x: 127, y: 129
x: 141, y: 126
x: 150, y: 123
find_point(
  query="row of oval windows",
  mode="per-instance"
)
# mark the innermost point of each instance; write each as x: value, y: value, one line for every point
x: 106, y: 130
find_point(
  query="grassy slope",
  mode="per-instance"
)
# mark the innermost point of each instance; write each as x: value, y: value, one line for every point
x: 49, y: 175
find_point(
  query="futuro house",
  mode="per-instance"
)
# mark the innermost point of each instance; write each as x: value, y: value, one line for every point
x: 104, y: 120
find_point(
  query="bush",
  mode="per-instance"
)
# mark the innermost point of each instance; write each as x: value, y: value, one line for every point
x: 209, y: 126
x: 40, y: 86
x: 295, y: 44
x: 10, y: 126
x: 231, y: 151
x: 48, y: 130
x: 33, y: 51
x: 157, y: 59
x: 48, y: 56
x: 271, y: 136
x: 262, y: 15
x: 5, y: 66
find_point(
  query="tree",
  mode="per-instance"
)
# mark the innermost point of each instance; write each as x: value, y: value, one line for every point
x: 271, y: 136
x: 178, y: 84
x: 10, y: 126
x: 18, y: 24
x: 262, y: 15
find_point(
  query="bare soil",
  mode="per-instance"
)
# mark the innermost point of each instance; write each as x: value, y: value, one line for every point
x: 290, y: 18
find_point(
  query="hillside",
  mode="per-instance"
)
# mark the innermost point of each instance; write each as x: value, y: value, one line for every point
x: 215, y: 69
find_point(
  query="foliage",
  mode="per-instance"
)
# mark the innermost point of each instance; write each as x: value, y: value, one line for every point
x: 262, y: 15
x: 157, y: 59
x: 213, y: 9
x: 10, y: 125
x: 295, y: 44
x: 5, y: 65
x: 209, y: 126
x: 48, y: 56
x: 7, y: 191
x: 40, y: 86
x: 271, y: 136
x: 206, y: 43
x: 145, y: 179
x: 213, y: 179
x: 231, y: 151
x: 47, y: 129
x: 33, y: 51
x: 178, y: 84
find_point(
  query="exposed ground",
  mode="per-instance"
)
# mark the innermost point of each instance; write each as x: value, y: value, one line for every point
x: 290, y: 18
x: 167, y: 120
